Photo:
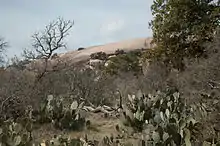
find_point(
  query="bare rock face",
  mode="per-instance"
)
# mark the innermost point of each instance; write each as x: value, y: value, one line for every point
x: 112, y: 56
x: 107, y: 63
x: 73, y: 58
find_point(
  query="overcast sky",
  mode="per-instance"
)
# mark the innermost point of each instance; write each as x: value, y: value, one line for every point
x: 96, y: 21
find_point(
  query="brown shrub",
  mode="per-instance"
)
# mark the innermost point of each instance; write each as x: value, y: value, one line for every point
x: 19, y: 89
x: 99, y: 55
x: 87, y: 85
x: 15, y: 92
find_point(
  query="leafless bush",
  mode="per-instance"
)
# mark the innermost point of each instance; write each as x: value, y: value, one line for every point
x: 202, y: 75
x: 18, y: 89
x: 86, y: 85
x: 48, y: 41
x: 15, y: 92
x: 155, y: 78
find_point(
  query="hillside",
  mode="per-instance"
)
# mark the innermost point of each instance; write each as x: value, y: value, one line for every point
x: 162, y: 90
x: 75, y: 56
x: 127, y: 45
x: 108, y: 105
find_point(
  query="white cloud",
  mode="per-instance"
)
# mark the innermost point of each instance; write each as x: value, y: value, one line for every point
x: 111, y: 26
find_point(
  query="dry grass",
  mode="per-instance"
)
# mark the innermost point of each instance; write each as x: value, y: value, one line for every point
x: 103, y: 127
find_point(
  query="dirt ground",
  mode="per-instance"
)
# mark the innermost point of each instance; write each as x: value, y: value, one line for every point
x: 100, y: 127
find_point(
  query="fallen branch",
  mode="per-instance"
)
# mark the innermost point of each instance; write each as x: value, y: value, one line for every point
x: 103, y: 109
x: 3, y: 102
x: 214, y: 84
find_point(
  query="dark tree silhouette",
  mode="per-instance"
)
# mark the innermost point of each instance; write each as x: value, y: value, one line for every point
x: 48, y: 41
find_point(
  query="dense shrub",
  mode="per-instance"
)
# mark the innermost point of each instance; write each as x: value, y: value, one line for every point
x: 184, y: 37
x: 19, y: 88
x: 16, y: 88
x: 87, y: 85
x: 119, y: 51
x: 99, y: 55
x: 129, y: 62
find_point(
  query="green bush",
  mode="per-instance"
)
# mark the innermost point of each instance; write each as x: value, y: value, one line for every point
x: 119, y: 51
x: 184, y: 37
x: 99, y: 55
x: 129, y: 62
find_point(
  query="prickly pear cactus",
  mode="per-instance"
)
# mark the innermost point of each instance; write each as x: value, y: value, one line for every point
x: 13, y: 134
x: 62, y: 116
x: 171, y: 121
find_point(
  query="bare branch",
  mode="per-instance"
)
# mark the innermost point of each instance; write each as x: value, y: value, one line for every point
x: 52, y: 38
x: 3, y: 102
x: 31, y: 55
x: 46, y: 42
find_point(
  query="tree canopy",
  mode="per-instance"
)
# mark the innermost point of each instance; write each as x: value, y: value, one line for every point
x: 181, y: 27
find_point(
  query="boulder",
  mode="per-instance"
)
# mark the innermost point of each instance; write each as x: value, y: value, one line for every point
x: 95, y: 62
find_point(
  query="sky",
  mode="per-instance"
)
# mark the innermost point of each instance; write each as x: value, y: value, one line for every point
x: 96, y: 22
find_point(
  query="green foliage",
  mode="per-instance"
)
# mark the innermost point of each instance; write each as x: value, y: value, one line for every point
x: 63, y: 117
x: 99, y: 55
x: 164, y: 117
x: 181, y: 27
x: 124, y: 63
x: 119, y: 51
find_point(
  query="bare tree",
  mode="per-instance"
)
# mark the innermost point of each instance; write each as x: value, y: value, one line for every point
x: 51, y: 39
x: 48, y: 41
x: 3, y: 45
